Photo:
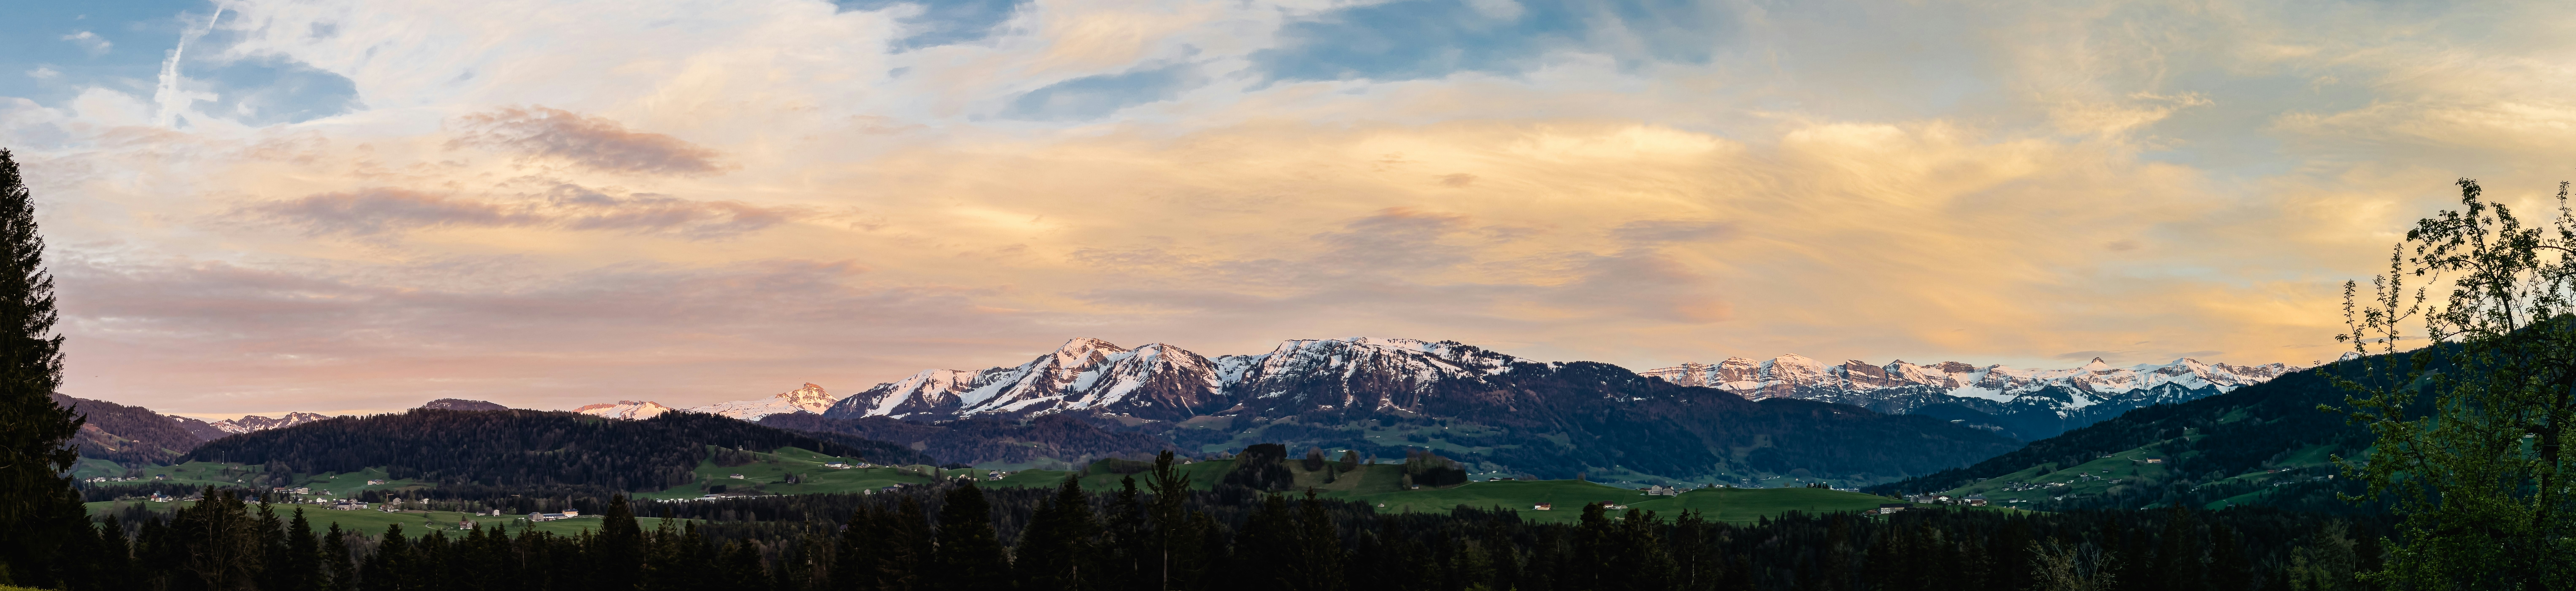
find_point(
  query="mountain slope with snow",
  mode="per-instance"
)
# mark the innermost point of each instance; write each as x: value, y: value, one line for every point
x: 2029, y: 404
x: 259, y: 423
x: 631, y: 410
x: 810, y: 398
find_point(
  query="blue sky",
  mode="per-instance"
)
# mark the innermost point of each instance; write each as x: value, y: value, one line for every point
x: 557, y: 202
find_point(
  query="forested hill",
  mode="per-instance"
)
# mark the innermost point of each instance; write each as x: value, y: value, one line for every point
x: 525, y: 448
x: 2211, y: 449
x: 133, y: 434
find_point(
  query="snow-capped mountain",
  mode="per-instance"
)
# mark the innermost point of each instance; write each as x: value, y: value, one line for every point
x: 625, y: 409
x: 2029, y: 403
x: 810, y: 398
x: 1163, y: 382
x: 1083, y: 374
x: 259, y: 423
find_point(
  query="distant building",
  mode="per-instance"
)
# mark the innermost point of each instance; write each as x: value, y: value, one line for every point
x: 1540, y: 506
x: 374, y: 482
x: 2155, y: 460
x: 1663, y: 491
x: 1976, y: 500
x: 838, y: 465
x: 1885, y: 508
x: 737, y: 477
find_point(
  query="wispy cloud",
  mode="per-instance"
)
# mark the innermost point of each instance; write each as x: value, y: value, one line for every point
x: 593, y: 142
x: 380, y: 211
x: 90, y: 42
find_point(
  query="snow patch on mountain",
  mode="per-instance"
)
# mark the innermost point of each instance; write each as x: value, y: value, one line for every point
x: 810, y: 398
x: 631, y: 410
x: 259, y: 423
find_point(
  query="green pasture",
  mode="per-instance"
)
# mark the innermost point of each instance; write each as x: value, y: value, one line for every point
x: 768, y: 473
x: 374, y: 522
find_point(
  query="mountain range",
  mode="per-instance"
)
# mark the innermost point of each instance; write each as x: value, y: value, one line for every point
x: 1788, y: 418
x: 1159, y: 382
x: 1500, y: 413
x: 2026, y: 404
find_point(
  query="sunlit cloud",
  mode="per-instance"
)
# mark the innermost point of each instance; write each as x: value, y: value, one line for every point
x: 548, y: 203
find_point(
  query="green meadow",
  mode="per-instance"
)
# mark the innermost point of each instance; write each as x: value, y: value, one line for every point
x: 374, y: 522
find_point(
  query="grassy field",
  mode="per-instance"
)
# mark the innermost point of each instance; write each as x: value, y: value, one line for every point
x: 2091, y: 477
x: 768, y: 473
x: 414, y: 522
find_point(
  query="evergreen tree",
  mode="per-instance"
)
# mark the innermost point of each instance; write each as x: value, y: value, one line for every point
x: 303, y: 564
x: 1268, y: 545
x: 335, y: 558
x: 1125, y: 565
x: 904, y: 562
x: 1319, y: 559
x: 968, y: 555
x: 37, y: 507
x: 855, y: 565
x: 742, y: 567
x: 115, y: 563
x: 621, y: 564
x: 1057, y: 545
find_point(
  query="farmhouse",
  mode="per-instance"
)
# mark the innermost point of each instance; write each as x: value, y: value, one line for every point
x: 1885, y: 508
x: 1976, y: 500
x: 1540, y: 506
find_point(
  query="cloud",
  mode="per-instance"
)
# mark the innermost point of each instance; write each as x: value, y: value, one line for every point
x: 594, y: 142
x: 381, y: 211
x: 1094, y: 96
x: 90, y: 42
x: 846, y: 193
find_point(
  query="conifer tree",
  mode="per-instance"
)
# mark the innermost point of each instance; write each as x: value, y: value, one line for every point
x: 37, y: 506
x: 303, y: 564
x: 1057, y: 545
x: 968, y: 555
x: 335, y: 557
x: 621, y: 565
x: 1319, y: 547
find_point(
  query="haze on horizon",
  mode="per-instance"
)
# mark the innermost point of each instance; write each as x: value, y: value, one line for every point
x: 263, y: 206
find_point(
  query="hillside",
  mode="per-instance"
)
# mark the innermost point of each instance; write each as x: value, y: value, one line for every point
x: 524, y: 449
x: 133, y: 435
x: 2262, y: 444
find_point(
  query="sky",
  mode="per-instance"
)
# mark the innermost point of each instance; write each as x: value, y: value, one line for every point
x: 262, y: 206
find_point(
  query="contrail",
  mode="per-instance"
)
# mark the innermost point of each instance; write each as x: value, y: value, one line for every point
x: 168, y: 95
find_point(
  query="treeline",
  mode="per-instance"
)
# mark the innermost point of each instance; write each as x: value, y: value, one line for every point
x: 985, y: 439
x: 524, y: 450
x: 1151, y: 533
